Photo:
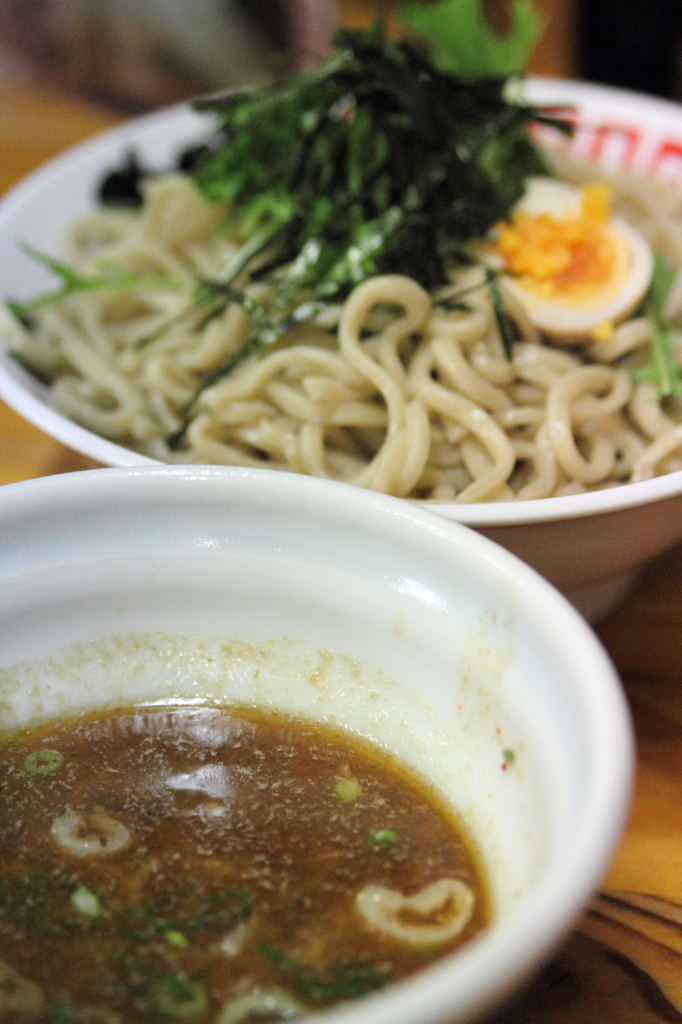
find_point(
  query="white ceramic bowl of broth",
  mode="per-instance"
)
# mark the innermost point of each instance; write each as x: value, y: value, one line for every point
x: 157, y: 585
x: 589, y: 545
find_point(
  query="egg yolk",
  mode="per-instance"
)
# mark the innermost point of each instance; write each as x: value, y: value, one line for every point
x: 573, y: 259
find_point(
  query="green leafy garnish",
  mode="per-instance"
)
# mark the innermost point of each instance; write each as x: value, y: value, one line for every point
x: 179, y: 997
x: 175, y: 914
x: 509, y: 756
x: 661, y: 368
x: 502, y: 319
x: 43, y: 762
x: 142, y: 923
x: 463, y: 44
x: 388, y: 157
x: 348, y: 979
x: 40, y: 903
x: 73, y: 282
x: 155, y: 987
x: 375, y: 162
x: 222, y: 909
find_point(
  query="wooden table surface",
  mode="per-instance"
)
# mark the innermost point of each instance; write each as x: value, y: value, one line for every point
x: 623, y: 962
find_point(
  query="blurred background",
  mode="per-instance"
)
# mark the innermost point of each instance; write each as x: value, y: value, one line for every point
x: 135, y: 55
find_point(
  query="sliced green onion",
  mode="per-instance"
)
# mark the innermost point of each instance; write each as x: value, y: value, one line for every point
x: 348, y: 789
x: 176, y: 939
x: 44, y: 762
x: 86, y: 903
x: 382, y: 839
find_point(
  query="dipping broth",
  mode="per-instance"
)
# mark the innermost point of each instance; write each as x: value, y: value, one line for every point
x: 218, y: 866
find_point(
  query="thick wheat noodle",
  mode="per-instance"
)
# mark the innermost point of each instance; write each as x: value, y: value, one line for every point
x: 664, y: 445
x: 559, y: 399
x: 397, y: 390
x: 647, y: 412
x: 495, y: 368
x: 460, y: 374
x: 545, y: 468
x: 399, y: 462
x: 628, y: 337
x: 77, y: 395
x: 475, y: 420
x: 618, y: 390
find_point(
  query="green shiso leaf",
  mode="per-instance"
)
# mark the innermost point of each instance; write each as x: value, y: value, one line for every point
x: 72, y: 282
x: 463, y: 44
x: 661, y: 368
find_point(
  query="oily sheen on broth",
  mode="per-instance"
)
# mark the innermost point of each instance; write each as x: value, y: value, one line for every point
x: 220, y: 866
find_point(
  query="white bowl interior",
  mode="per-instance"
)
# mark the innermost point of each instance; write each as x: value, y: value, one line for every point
x: 193, y: 584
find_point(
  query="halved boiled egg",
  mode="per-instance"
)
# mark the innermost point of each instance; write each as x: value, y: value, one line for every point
x: 576, y: 269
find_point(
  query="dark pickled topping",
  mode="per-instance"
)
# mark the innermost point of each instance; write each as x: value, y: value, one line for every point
x: 123, y: 185
x: 192, y: 158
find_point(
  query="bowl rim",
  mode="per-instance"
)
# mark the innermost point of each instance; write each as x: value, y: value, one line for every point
x: 20, y: 391
x: 480, y: 975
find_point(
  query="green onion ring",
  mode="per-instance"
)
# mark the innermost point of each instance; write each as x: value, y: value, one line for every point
x: 43, y: 762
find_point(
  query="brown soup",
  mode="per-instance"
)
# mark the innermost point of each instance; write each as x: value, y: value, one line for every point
x: 217, y: 865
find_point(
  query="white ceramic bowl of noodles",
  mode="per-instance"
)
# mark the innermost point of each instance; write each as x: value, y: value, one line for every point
x: 589, y: 545
x: 158, y: 584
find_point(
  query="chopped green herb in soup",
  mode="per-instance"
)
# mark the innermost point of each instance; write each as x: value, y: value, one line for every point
x: 217, y: 866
